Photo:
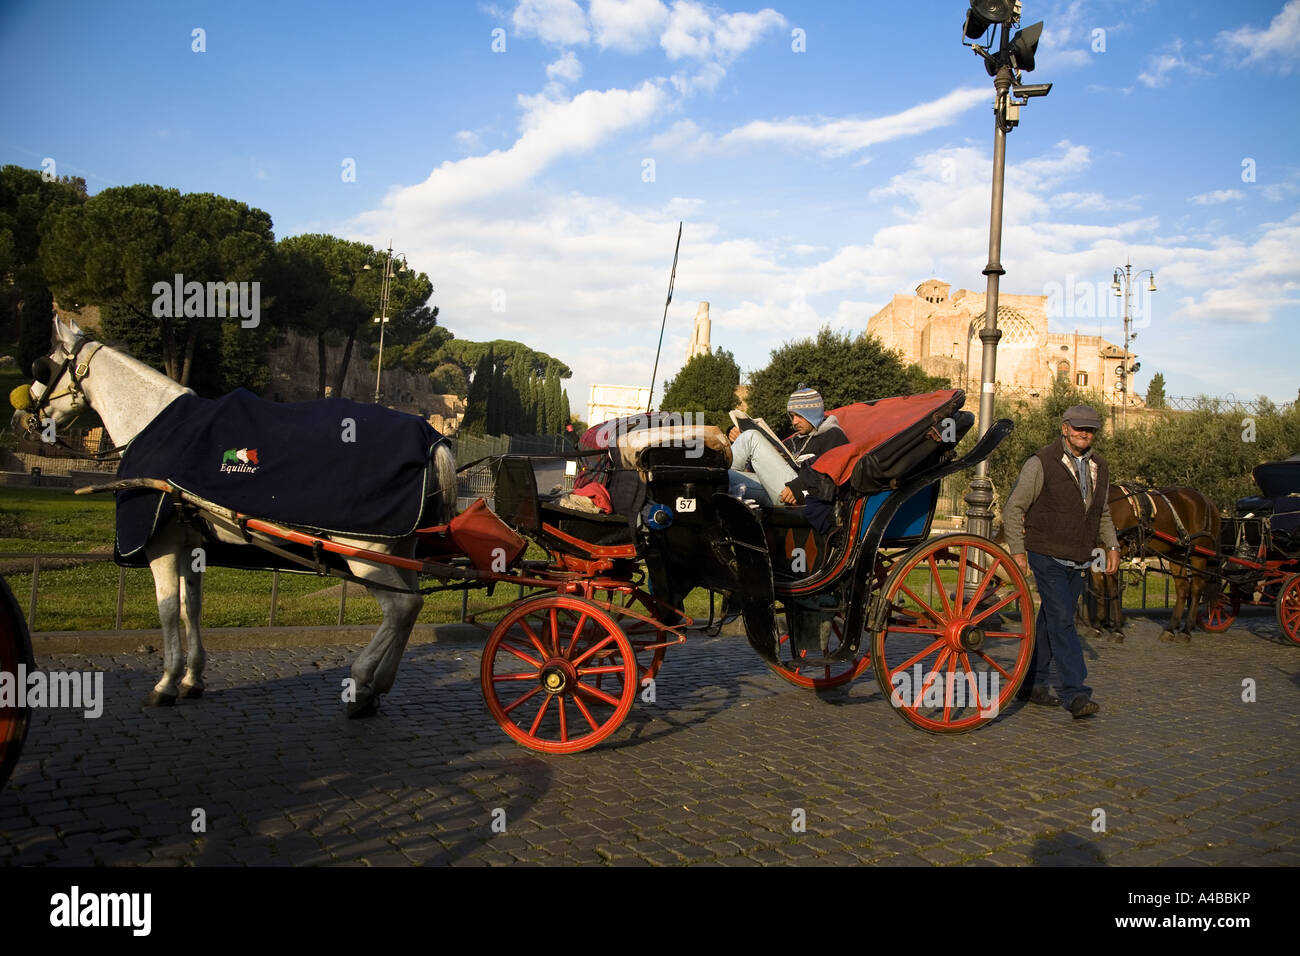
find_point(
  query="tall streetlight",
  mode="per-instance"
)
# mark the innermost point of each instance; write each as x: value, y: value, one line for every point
x: 1125, y: 370
x: 1014, y: 55
x: 381, y: 319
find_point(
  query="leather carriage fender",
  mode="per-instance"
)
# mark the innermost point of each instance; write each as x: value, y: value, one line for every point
x: 744, y: 539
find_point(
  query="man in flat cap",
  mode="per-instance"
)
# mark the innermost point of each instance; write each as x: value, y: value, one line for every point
x: 1053, y: 520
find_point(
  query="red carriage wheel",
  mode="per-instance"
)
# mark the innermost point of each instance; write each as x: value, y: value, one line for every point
x: 1288, y: 608
x: 15, y: 649
x: 951, y: 657
x: 1220, y: 614
x: 558, y: 674
x: 821, y: 676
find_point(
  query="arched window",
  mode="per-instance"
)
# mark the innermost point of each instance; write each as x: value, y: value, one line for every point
x: 1063, y: 369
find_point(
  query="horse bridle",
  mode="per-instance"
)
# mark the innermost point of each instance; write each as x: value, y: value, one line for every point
x: 49, y: 375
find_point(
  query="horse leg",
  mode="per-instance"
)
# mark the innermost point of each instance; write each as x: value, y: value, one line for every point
x: 1114, y: 607
x: 1195, y: 586
x: 191, y: 612
x: 164, y: 562
x: 375, y: 668
x: 1177, y: 629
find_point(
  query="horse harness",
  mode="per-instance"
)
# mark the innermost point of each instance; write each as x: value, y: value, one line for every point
x: 1145, y: 507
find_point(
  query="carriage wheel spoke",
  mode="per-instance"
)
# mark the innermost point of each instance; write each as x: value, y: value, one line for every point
x: 533, y: 638
x: 994, y: 664
x: 930, y: 612
x: 914, y: 659
x: 602, y: 669
x: 596, y: 692
x: 593, y: 649
x: 925, y: 684
x: 506, y: 646
x: 540, y: 711
x: 984, y: 583
x: 555, y: 631
x: 497, y: 678
x: 997, y: 607
x: 938, y: 583
x: 535, y: 690
x: 564, y: 724
x: 585, y: 712
x: 975, y: 684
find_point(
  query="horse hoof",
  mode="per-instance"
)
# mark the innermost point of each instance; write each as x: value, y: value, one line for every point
x: 1182, y: 637
x: 157, y: 699
x: 366, y: 705
x: 1117, y: 637
x: 191, y: 691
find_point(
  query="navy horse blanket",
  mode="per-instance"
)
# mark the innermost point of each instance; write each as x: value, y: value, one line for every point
x: 332, y: 465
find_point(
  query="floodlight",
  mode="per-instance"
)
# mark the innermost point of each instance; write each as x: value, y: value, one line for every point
x: 1023, y: 46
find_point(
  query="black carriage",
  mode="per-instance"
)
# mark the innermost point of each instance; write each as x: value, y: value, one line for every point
x: 1259, y: 552
x: 946, y: 622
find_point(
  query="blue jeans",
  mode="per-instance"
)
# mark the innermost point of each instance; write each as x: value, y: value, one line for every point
x: 1056, y: 639
x: 758, y: 470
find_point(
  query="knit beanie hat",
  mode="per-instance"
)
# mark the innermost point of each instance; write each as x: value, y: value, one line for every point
x: 807, y: 402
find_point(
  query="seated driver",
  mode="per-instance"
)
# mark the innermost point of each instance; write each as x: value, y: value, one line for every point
x: 760, y: 472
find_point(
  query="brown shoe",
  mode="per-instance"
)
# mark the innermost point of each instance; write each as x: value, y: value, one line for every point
x: 1083, y: 706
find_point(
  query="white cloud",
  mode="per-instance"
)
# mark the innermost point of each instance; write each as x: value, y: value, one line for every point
x: 836, y: 137
x: 1160, y: 67
x: 1217, y: 196
x: 550, y: 129
x: 628, y: 26
x: 469, y: 141
x: 1278, y: 46
x: 557, y: 22
x: 567, y: 68
x: 1092, y: 201
x: 712, y: 39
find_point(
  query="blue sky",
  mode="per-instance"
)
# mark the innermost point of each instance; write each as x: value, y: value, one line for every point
x: 540, y: 185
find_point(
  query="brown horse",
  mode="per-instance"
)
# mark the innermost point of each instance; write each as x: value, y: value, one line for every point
x: 1181, y: 527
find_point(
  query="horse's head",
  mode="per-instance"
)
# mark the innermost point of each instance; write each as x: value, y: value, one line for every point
x: 56, y: 394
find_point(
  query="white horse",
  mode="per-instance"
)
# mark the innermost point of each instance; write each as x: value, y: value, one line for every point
x: 128, y: 395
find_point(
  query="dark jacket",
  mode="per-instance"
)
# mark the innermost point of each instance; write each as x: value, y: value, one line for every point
x: 826, y: 436
x: 1057, y: 523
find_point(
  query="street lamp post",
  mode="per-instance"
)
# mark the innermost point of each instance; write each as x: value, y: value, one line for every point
x: 1014, y: 55
x: 1125, y: 370
x: 381, y: 319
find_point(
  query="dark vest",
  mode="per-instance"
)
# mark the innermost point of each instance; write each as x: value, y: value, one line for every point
x: 1056, y: 523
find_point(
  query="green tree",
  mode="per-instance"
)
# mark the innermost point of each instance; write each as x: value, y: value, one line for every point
x: 706, y: 383
x: 330, y: 288
x: 1156, y: 391
x: 111, y: 251
x: 553, y: 423
x: 480, y: 389
x: 844, y: 368
x: 26, y: 199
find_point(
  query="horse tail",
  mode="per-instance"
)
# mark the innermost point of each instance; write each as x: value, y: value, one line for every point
x: 444, y: 461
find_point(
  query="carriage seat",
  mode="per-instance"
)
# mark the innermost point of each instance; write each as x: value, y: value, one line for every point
x: 702, y: 446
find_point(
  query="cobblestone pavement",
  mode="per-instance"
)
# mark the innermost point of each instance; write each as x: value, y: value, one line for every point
x: 716, y: 770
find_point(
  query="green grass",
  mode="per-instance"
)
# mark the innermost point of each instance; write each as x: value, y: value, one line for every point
x: 82, y: 595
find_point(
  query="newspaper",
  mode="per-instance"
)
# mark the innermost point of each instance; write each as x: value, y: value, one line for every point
x: 744, y: 423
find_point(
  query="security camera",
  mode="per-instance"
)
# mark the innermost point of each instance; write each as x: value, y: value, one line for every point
x: 1032, y: 89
